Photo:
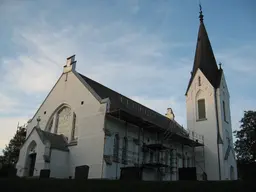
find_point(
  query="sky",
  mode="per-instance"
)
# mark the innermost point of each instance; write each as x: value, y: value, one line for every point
x: 142, y: 49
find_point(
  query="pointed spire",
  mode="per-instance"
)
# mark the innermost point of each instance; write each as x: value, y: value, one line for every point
x: 204, y: 57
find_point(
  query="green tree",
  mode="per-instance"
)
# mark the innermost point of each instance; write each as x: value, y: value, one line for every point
x: 245, y: 145
x: 11, y: 151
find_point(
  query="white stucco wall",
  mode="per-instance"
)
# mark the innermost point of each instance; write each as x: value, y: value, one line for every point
x: 59, y: 164
x: 226, y: 130
x: 22, y: 164
x: 89, y: 122
x: 208, y: 127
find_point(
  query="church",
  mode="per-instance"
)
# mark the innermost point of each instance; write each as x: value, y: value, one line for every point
x: 83, y: 124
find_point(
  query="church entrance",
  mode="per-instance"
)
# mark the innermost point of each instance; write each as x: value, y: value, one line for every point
x: 32, y: 158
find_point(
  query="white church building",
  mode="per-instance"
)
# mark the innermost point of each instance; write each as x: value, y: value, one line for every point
x: 82, y: 122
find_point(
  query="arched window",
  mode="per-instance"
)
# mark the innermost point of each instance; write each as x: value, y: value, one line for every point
x: 124, y: 153
x: 63, y: 121
x: 32, y: 147
x: 116, y: 148
x: 201, y: 109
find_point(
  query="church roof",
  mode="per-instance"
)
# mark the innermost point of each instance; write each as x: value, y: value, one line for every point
x: 204, y: 58
x: 56, y: 141
x: 121, y: 102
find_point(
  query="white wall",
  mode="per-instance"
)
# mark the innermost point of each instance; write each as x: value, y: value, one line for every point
x: 226, y: 130
x: 208, y: 128
x: 89, y: 121
x: 59, y: 164
x: 22, y: 164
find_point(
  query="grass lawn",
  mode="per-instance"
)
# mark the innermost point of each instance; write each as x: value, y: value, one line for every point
x: 54, y: 185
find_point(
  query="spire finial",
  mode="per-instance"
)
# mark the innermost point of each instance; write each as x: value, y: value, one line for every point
x: 201, y: 16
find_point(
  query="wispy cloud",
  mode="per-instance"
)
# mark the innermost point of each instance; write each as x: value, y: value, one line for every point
x: 132, y: 57
x: 7, y: 104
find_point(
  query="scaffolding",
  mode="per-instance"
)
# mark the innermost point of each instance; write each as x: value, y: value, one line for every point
x: 160, y: 154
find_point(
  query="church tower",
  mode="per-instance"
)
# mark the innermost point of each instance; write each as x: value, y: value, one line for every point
x: 208, y: 112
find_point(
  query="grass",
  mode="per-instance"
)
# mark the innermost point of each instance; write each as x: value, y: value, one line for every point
x: 37, y: 185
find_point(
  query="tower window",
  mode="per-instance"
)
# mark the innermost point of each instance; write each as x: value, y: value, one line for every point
x: 224, y: 111
x: 201, y: 109
x: 199, y: 81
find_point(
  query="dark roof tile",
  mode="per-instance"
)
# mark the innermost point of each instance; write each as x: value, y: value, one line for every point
x: 119, y: 101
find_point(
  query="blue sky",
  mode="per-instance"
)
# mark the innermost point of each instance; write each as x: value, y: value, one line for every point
x: 142, y: 49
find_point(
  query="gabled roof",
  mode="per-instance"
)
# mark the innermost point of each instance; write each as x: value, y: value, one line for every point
x: 204, y: 58
x: 118, y: 101
x: 56, y: 141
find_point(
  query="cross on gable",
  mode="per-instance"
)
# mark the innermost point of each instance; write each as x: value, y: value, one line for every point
x: 38, y: 121
x: 70, y: 60
x: 70, y: 64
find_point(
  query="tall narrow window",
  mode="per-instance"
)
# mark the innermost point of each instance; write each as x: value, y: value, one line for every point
x: 201, y: 109
x: 151, y: 156
x: 116, y: 148
x: 124, y: 153
x: 167, y: 157
x: 199, y: 81
x: 74, y: 130
x: 224, y: 111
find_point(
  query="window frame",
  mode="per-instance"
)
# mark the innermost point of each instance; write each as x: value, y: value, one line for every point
x: 199, y: 118
x: 224, y: 111
x: 54, y: 120
x: 74, y: 129
x: 116, y: 148
x: 124, y: 150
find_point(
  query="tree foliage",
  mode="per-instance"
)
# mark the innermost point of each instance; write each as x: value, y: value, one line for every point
x: 245, y: 145
x: 11, y: 151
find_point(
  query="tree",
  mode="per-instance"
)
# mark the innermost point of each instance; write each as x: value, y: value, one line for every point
x: 11, y: 151
x: 245, y: 145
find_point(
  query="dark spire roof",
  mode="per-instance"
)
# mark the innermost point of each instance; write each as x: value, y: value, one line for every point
x: 204, y: 57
